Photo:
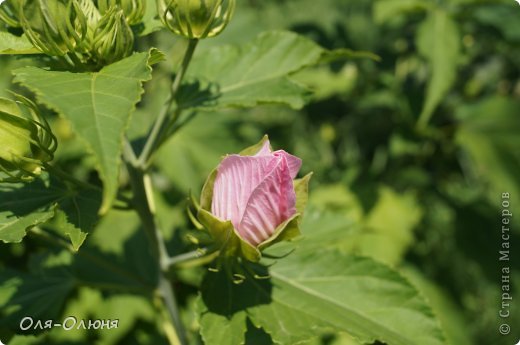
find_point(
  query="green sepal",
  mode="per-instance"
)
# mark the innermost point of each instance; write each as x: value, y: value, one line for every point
x: 206, y: 195
x: 253, y: 149
x: 227, y: 238
x: 301, y: 188
x: 286, y: 231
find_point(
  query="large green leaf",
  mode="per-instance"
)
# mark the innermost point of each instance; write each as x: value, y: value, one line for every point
x: 438, y: 40
x: 308, y: 295
x: 253, y: 74
x: 27, y: 205
x: 98, y: 106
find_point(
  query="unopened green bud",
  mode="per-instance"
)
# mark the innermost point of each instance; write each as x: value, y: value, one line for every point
x: 56, y: 27
x: 92, y: 18
x: 196, y: 19
x: 91, y: 13
x: 133, y: 9
x: 25, y: 144
x: 9, y: 13
x: 114, y: 39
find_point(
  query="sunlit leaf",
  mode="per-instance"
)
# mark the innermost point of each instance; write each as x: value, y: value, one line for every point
x: 14, y: 45
x: 312, y: 294
x: 253, y: 74
x: 98, y: 106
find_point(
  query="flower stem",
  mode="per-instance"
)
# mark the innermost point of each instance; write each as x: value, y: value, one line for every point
x: 163, y: 121
x: 197, y: 257
x: 143, y: 200
x: 144, y: 205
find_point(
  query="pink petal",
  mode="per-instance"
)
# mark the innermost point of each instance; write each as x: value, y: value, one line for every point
x: 237, y: 177
x: 271, y: 203
x: 294, y: 162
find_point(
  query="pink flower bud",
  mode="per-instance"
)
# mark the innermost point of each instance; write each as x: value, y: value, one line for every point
x: 256, y: 193
x: 252, y: 201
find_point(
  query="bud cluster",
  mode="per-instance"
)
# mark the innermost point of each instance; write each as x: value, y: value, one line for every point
x: 26, y: 140
x: 85, y: 33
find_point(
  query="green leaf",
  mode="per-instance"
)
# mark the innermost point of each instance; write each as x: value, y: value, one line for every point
x: 117, y: 255
x: 385, y: 10
x: 488, y: 133
x: 28, y: 205
x: 39, y: 294
x: 77, y: 216
x: 13, y: 45
x: 503, y: 17
x: 308, y: 295
x: 450, y: 315
x: 389, y: 226
x: 438, y: 40
x: 25, y: 206
x: 221, y: 329
x: 254, y: 74
x: 98, y: 106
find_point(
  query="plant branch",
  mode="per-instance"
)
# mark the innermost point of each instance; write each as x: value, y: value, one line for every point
x: 159, y: 128
x: 197, y: 257
x: 143, y: 200
x: 144, y: 205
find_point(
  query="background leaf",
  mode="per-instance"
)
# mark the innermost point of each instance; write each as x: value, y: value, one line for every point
x: 438, y: 41
x: 488, y: 135
x: 253, y: 74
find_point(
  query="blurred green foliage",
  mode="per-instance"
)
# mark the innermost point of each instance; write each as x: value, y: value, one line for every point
x: 410, y: 155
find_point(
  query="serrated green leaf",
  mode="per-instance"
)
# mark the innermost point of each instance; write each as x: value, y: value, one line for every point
x: 13, y: 228
x: 15, y: 45
x: 309, y: 295
x: 438, y: 40
x: 221, y: 329
x: 25, y: 206
x: 77, y: 216
x: 98, y: 106
x: 28, y: 205
x: 253, y: 74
